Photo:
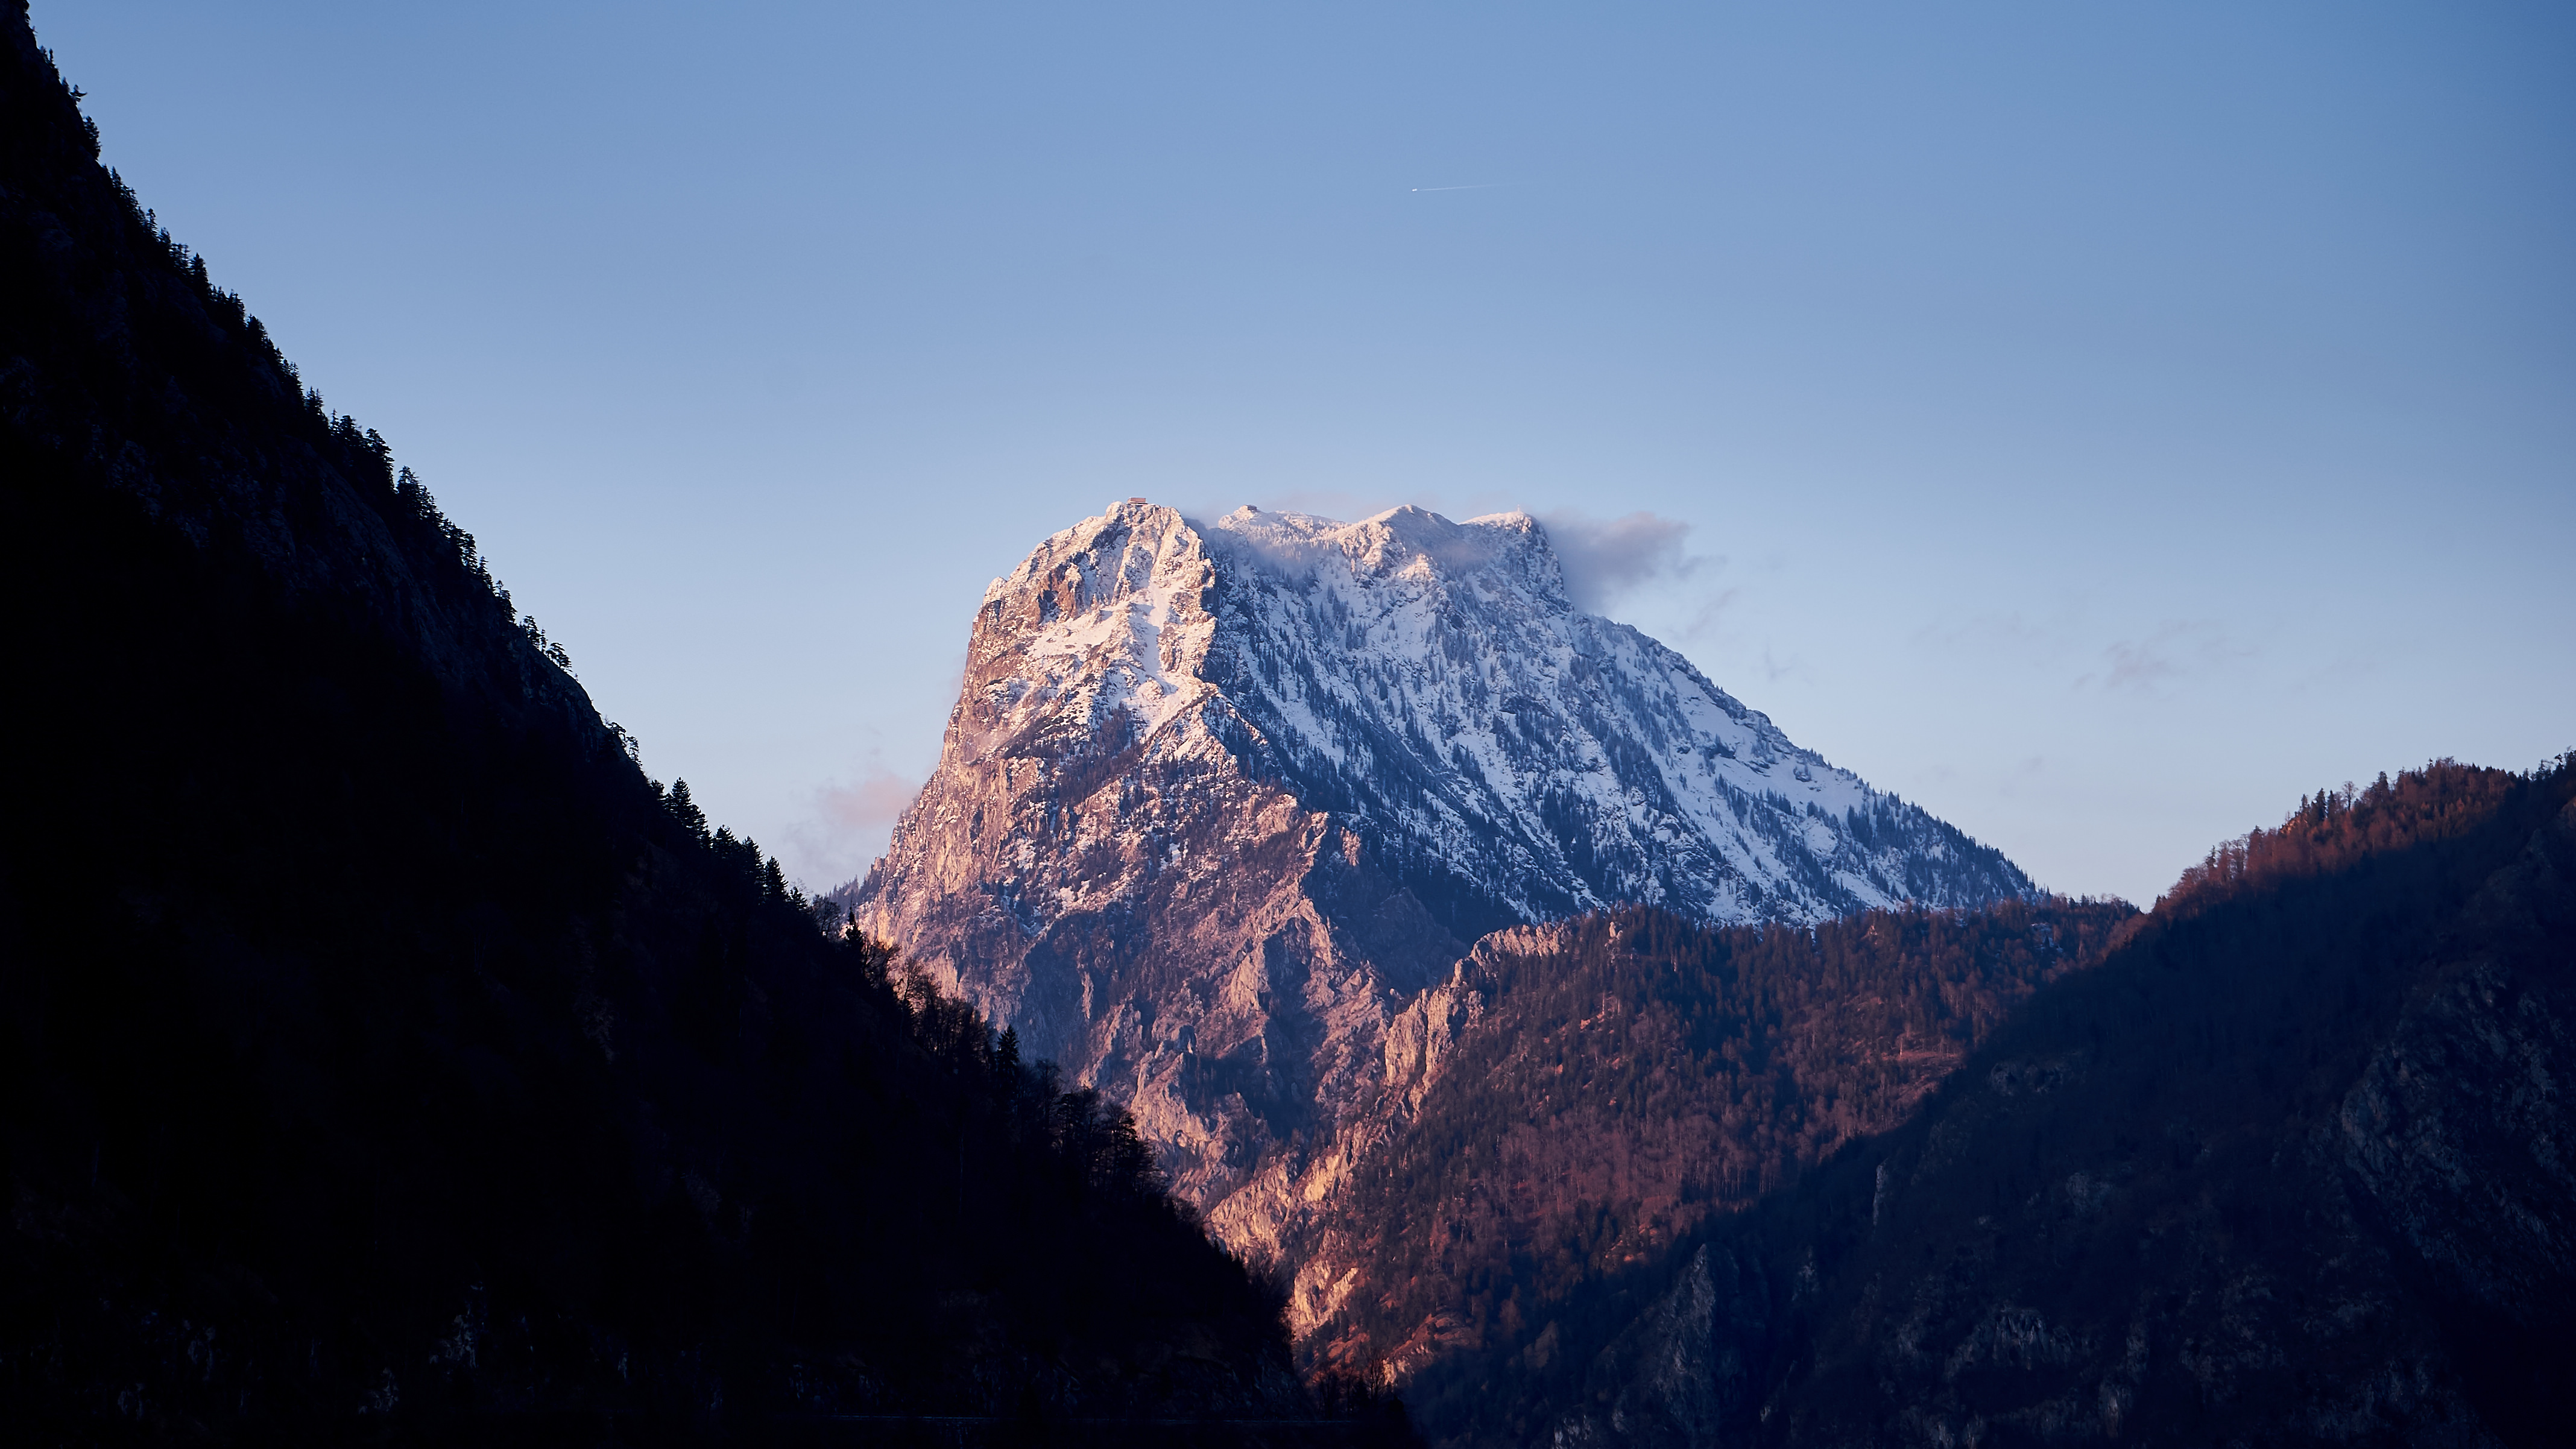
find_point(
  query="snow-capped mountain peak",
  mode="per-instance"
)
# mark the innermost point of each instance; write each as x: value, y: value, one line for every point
x: 1219, y: 799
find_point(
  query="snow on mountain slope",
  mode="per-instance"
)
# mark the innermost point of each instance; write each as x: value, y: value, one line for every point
x: 1431, y: 679
x: 1218, y: 801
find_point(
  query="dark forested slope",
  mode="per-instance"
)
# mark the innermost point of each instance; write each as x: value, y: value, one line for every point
x: 2290, y: 1166
x: 380, y: 1052
x: 1615, y: 1082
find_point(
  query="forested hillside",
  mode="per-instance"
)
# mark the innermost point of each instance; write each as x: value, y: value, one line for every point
x: 382, y: 1055
x: 1619, y: 1081
x: 2287, y: 1167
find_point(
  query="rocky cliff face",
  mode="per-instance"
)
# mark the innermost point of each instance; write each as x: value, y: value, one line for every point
x: 1218, y: 803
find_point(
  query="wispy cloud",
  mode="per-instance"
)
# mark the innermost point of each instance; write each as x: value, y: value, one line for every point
x: 849, y: 824
x: 2009, y: 631
x: 2028, y: 771
x: 1704, y: 619
x: 2174, y: 650
x: 1607, y: 559
x: 872, y: 804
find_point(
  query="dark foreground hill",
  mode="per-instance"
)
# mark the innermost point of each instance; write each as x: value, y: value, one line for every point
x: 382, y: 1056
x: 2290, y: 1166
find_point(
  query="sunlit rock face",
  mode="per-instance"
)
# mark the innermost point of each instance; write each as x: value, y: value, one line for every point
x: 1218, y: 802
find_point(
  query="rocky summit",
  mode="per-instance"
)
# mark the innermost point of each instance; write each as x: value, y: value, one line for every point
x: 1219, y: 802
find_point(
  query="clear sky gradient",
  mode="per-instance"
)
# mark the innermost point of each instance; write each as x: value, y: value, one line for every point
x: 2097, y: 423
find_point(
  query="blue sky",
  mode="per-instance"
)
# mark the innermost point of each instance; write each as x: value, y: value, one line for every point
x: 2097, y: 423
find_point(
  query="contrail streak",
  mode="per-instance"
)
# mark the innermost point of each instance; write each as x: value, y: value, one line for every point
x: 1479, y: 186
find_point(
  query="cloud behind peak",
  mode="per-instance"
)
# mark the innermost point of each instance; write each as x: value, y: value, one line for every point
x: 1607, y: 559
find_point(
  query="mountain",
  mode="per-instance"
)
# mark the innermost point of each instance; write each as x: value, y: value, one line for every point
x: 383, y: 1057
x: 1606, y: 1071
x: 1217, y: 802
x: 2288, y: 1166
x: 1607, y: 1086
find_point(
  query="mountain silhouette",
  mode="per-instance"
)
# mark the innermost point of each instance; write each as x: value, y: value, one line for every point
x: 383, y: 1057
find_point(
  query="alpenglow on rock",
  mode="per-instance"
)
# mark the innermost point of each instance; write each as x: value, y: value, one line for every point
x: 1218, y: 801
